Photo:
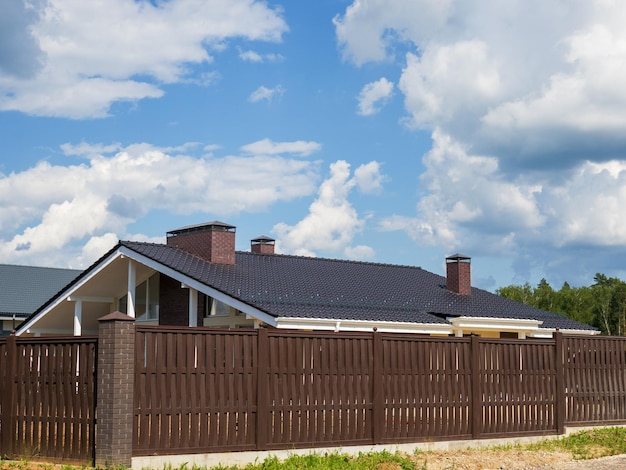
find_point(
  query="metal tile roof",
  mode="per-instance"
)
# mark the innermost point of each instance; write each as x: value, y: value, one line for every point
x: 25, y: 288
x: 303, y: 287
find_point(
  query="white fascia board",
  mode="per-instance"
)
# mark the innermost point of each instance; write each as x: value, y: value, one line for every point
x: 487, y: 323
x: 547, y: 332
x: 200, y: 287
x: 63, y: 297
x: 337, y: 324
x: 88, y: 298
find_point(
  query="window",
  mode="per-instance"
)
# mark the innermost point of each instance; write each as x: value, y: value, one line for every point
x: 220, y: 309
x: 146, y: 300
x: 215, y: 308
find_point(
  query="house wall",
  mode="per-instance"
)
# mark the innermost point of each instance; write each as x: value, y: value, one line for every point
x: 174, y: 303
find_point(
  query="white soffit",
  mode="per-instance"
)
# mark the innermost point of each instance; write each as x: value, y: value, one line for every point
x: 487, y: 323
x: 67, y: 293
x: 362, y: 325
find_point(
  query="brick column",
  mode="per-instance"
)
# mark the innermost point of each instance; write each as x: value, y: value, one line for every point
x: 116, y: 367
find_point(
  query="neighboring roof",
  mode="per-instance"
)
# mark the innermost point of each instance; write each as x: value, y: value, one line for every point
x: 304, y: 287
x: 25, y: 288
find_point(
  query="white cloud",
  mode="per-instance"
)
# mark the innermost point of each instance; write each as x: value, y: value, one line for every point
x: 51, y: 211
x: 467, y: 201
x: 20, y: 55
x: 368, y: 177
x: 268, y: 147
x: 449, y: 82
x: 264, y: 93
x: 87, y: 67
x: 255, y: 57
x: 368, y: 29
x: 332, y: 221
x: 374, y: 95
x: 524, y: 102
x: 250, y: 56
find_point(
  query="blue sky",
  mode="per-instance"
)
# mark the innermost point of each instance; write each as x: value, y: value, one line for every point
x: 395, y: 131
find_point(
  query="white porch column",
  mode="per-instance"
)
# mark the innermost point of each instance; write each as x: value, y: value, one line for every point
x: 132, y: 278
x: 78, y: 317
x: 193, y: 307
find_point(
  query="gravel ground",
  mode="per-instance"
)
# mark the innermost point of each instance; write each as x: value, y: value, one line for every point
x: 615, y: 462
x: 515, y: 460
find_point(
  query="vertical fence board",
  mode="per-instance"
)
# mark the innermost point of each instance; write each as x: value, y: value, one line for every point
x: 48, y: 398
x: 198, y: 390
x: 236, y: 389
x: 595, y: 386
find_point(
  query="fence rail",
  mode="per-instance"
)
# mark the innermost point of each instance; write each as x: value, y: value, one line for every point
x: 595, y: 379
x: 48, y: 398
x: 202, y: 390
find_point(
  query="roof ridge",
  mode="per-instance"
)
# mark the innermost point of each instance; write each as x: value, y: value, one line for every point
x: 287, y: 255
x: 323, y: 258
x: 38, y: 267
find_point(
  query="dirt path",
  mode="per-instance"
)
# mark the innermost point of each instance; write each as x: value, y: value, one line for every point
x: 615, y: 462
x: 515, y: 460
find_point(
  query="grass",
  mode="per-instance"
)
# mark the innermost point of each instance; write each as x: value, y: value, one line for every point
x: 334, y: 461
x: 588, y: 444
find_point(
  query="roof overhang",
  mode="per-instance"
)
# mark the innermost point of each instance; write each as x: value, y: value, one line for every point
x: 549, y: 332
x: 335, y: 324
x: 108, y: 280
x: 187, y: 281
x: 529, y: 327
x: 518, y: 325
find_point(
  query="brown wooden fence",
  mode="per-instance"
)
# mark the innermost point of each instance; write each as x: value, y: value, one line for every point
x: 206, y: 390
x: 48, y: 398
x: 595, y: 379
x: 200, y: 390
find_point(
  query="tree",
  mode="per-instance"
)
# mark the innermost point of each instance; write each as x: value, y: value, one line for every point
x: 602, y: 304
x: 522, y: 294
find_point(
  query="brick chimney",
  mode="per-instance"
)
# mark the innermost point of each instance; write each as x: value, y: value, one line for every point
x: 458, y: 274
x: 213, y: 241
x: 263, y: 245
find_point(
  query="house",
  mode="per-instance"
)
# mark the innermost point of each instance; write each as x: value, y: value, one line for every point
x: 198, y: 279
x: 24, y: 288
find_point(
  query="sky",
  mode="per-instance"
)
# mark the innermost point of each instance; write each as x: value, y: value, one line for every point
x: 391, y: 131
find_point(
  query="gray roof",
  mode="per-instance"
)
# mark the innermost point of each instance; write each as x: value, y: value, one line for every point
x: 23, y: 289
x: 303, y: 287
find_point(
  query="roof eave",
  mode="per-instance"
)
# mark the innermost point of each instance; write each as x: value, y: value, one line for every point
x: 336, y: 324
x: 62, y: 296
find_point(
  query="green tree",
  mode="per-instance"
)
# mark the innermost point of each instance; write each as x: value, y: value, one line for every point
x: 522, y: 294
x: 602, y: 304
x: 545, y: 297
x: 607, y: 303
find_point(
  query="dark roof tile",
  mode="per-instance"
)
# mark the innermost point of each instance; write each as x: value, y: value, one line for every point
x: 303, y: 287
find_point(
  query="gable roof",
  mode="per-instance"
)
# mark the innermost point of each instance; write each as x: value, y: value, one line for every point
x: 25, y: 288
x: 285, y: 288
x: 304, y: 287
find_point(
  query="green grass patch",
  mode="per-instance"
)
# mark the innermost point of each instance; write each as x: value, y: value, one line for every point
x: 335, y: 461
x: 588, y: 444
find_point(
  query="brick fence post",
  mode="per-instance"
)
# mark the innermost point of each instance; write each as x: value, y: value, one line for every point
x: 115, y: 407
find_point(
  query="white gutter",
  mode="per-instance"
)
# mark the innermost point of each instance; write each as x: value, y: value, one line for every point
x: 334, y: 324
